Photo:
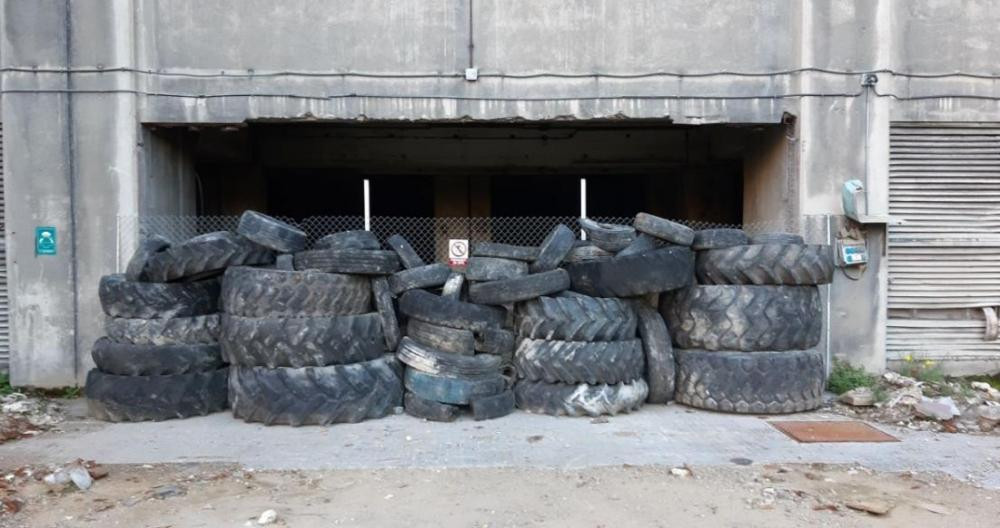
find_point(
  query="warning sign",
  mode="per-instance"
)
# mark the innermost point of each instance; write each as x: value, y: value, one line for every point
x: 458, y: 251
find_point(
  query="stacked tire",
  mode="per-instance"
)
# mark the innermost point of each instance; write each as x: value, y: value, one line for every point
x: 747, y: 332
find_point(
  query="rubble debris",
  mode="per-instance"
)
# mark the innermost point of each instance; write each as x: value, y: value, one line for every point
x: 941, y: 409
x: 872, y: 505
x: 859, y: 397
x: 267, y: 517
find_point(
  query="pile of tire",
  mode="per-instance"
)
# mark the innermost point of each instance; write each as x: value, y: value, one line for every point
x: 305, y: 344
x: 160, y: 358
x: 747, y: 332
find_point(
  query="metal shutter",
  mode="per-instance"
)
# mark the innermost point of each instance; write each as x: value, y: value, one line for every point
x: 4, y: 304
x: 944, y: 260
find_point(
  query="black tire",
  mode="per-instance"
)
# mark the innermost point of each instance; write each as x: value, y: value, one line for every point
x: 272, y: 233
x: 661, y: 374
x: 776, y: 264
x: 456, y: 391
x: 575, y: 318
x: 496, y: 341
x: 718, y: 239
x: 284, y: 262
x: 452, y: 288
x: 431, y: 308
x: 148, y: 247
x: 432, y: 411
x: 431, y: 361
x: 205, y: 255
x: 560, y: 399
x: 316, y: 395
x: 427, y: 276
x: 451, y: 340
x: 776, y: 238
x: 113, y: 398
x: 359, y: 239
x: 641, y: 244
x: 407, y: 255
x: 751, y: 382
x: 664, y: 229
x: 579, y: 361
x: 745, y: 318
x: 125, y: 359
x: 586, y: 253
x: 491, y: 407
x: 520, y: 288
x: 507, y: 251
x: 197, y: 330
x: 358, y: 261
x: 297, y: 342
x: 654, y: 271
x: 553, y: 249
x: 485, y: 269
x: 150, y: 300
x: 609, y: 237
x: 256, y: 292
x: 386, y: 312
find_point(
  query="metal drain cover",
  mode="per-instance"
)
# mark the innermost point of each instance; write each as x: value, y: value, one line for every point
x: 809, y: 432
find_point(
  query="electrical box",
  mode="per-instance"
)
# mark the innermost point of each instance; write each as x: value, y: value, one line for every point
x: 852, y: 253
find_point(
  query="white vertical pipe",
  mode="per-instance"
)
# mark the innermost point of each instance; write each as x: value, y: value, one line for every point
x: 368, y: 206
x: 583, y: 204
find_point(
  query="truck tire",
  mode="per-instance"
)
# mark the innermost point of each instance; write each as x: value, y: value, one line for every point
x: 316, y: 395
x: 451, y: 340
x: 654, y: 271
x: 256, y: 292
x: 491, y: 407
x: 359, y: 239
x: 431, y: 308
x: 485, y: 269
x: 745, y: 318
x: 407, y: 255
x: 113, y: 398
x: 152, y: 300
x: 431, y: 361
x: 452, y: 288
x: 751, y: 382
x: 586, y: 253
x: 426, y: 276
x: 431, y: 411
x: 775, y: 264
x: 560, y: 399
x: 553, y: 249
x: 386, y: 312
x: 125, y: 359
x: 315, y: 341
x: 136, y: 269
x: 575, y: 318
x: 196, y: 330
x: 718, y: 239
x: 664, y: 229
x: 496, y: 341
x: 609, y: 237
x: 506, y: 251
x: 776, y: 238
x: 272, y: 233
x: 520, y: 288
x: 354, y: 261
x: 579, y: 361
x: 456, y: 391
x: 641, y: 244
x: 661, y: 374
x: 204, y: 256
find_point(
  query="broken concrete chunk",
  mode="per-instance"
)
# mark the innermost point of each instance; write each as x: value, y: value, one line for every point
x: 858, y: 397
x: 940, y: 409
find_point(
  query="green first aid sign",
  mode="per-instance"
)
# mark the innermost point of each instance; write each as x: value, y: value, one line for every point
x: 45, y: 240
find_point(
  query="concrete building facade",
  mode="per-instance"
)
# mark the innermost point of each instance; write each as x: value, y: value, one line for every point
x: 101, y: 97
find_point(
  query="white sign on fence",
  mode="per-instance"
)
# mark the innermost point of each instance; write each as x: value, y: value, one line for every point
x: 458, y: 251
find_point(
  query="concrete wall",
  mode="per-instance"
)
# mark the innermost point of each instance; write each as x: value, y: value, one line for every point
x: 73, y: 159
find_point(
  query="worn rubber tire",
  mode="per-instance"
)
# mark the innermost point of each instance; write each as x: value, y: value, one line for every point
x: 152, y: 300
x: 560, y: 399
x: 575, y: 318
x: 284, y: 262
x: 407, y: 255
x: 775, y: 264
x: 609, y: 237
x: 641, y: 244
x: 654, y: 271
x: 718, y: 239
x: 751, y: 382
x: 256, y: 292
x: 496, y: 341
x: 452, y: 288
x: 205, y: 255
x: 296, y: 342
x: 664, y: 229
x: 579, y: 361
x: 148, y: 247
x: 386, y: 312
x: 427, y: 276
x: 776, y: 238
x: 451, y: 340
x: 271, y: 232
x: 359, y: 239
x: 196, y: 330
x: 431, y: 308
x: 586, y: 253
x: 432, y: 411
x: 355, y: 261
x: 126, y: 359
x: 745, y: 318
x: 485, y: 269
x: 316, y: 395
x: 456, y: 391
x: 507, y: 251
x: 661, y: 373
x: 553, y: 249
x: 431, y: 361
x: 520, y: 288
x: 113, y: 398
x: 491, y: 407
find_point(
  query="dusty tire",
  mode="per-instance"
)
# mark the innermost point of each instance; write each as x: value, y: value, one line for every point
x: 579, y: 362
x: 296, y: 342
x: 152, y: 300
x: 114, y: 398
x: 451, y: 340
x: 431, y: 308
x: 491, y: 407
x: 751, y: 382
x: 205, y: 255
x: 407, y: 255
x: 496, y: 341
x: 272, y: 233
x: 664, y: 229
x: 452, y: 288
x: 641, y: 244
x: 196, y: 330
x: 745, y: 318
x: 609, y: 237
x: 359, y: 239
x: 520, y: 288
x: 316, y: 395
x: 775, y: 264
x: 506, y: 251
x: 776, y: 238
x: 431, y: 361
x: 456, y: 391
x: 553, y: 249
x: 485, y: 269
x: 575, y: 318
x: 136, y: 269
x: 586, y: 253
x: 432, y: 411
x: 560, y: 399
x: 427, y: 276
x: 718, y: 239
x: 351, y: 261
x: 661, y: 373
x: 660, y: 270
x: 125, y: 359
x: 256, y: 292
x: 386, y: 312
